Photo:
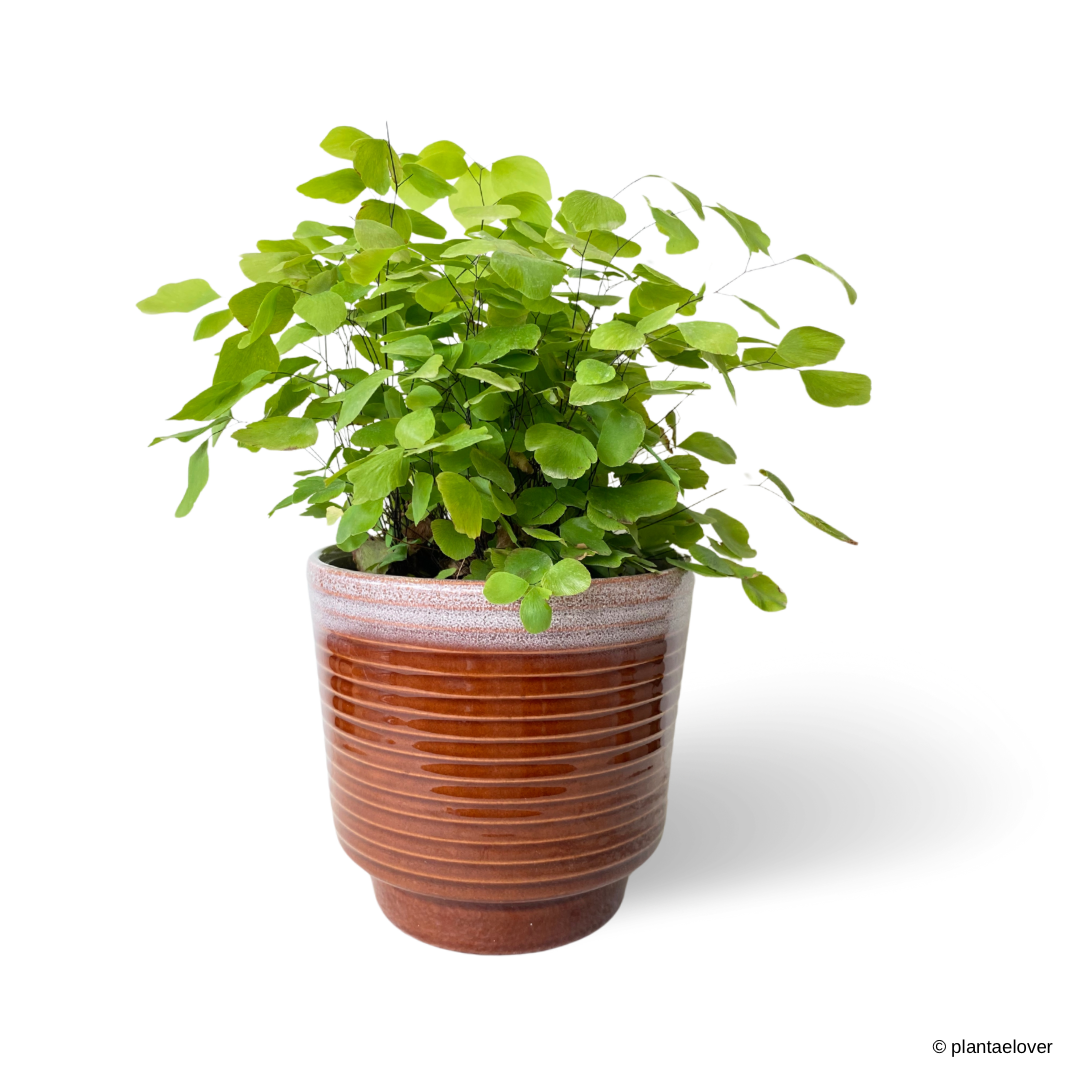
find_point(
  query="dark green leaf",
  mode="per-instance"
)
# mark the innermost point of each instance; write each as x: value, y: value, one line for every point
x: 824, y: 526
x: 733, y: 533
x: 493, y: 469
x: 632, y: 501
x: 764, y: 593
x: 779, y: 483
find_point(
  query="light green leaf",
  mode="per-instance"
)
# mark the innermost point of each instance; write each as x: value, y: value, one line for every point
x: 724, y: 567
x: 425, y: 396
x: 593, y: 372
x: 493, y: 469
x: 680, y: 238
x: 430, y: 369
x: 444, y: 158
x: 732, y: 532
x: 295, y: 335
x: 586, y: 394
x: 358, y: 395
x: 657, y: 387
x: 824, y: 526
x: 504, y: 588
x: 376, y: 476
x: 749, y: 231
x: 620, y: 436
x: 505, y: 339
x: 339, y: 141
x: 337, y: 187
x: 212, y: 324
x: 851, y: 294
x: 430, y: 184
x: 761, y: 311
x: 377, y: 164
x: 264, y: 266
x: 424, y: 226
x: 451, y: 543
x: 534, y: 210
x: 713, y: 337
x: 764, y: 593
x: 178, y: 296
x: 278, y: 433
x: 510, y: 175
x: 535, y: 610
x: 709, y: 446
x: 471, y: 216
x: 837, y: 388
x: 415, y: 428
x: 326, y: 311
x: 357, y: 519
x: 532, y: 277
x: 219, y: 398
x: 806, y: 346
x: 617, y: 336
x: 657, y: 319
x: 779, y: 483
x: 462, y: 502
x: 264, y: 316
x: 561, y: 453
x: 691, y: 198
x: 493, y: 378
x: 415, y: 346
x: 527, y: 563
x: 632, y: 501
x: 381, y: 433
x: 589, y: 211
x: 421, y: 496
x: 376, y: 236
x: 198, y: 474
x: 581, y: 533
x: 567, y: 578
x: 246, y: 305
x: 235, y: 363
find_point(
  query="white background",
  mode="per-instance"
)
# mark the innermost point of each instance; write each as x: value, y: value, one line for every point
x: 871, y: 841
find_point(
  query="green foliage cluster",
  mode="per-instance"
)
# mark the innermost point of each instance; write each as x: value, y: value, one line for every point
x: 480, y: 420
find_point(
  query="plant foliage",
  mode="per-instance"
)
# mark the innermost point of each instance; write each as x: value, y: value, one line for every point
x: 489, y: 406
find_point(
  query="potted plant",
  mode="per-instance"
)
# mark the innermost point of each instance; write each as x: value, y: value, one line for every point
x: 519, y: 514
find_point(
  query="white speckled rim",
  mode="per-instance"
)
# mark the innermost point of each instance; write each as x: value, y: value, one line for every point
x: 448, y: 614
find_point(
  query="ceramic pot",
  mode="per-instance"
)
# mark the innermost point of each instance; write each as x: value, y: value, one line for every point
x: 498, y: 786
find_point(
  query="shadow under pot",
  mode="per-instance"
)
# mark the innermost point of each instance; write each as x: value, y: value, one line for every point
x: 498, y: 786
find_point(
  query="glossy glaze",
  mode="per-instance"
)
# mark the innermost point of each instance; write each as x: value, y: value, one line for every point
x: 499, y: 786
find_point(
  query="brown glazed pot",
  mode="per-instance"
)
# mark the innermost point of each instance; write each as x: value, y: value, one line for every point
x: 498, y: 786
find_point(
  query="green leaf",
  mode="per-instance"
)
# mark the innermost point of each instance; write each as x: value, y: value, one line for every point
x: 785, y: 490
x: 510, y: 175
x: 589, y: 211
x: 590, y: 394
x: 630, y: 502
x: 617, y: 336
x: 532, y: 277
x: 377, y: 236
x: 358, y: 395
x: 337, y: 187
x: 505, y: 339
x: 430, y: 184
x: 750, y: 232
x: 451, y: 543
x: 278, y: 433
x: 235, y: 363
x: 219, y: 398
x: 493, y: 469
x: 851, y: 294
x: 691, y: 198
x: 246, y: 305
x: 824, y: 526
x: 339, y: 141
x: 534, y: 209
x: 657, y: 387
x: 504, y: 588
x: 265, y: 266
x: 712, y: 337
x: 657, y: 319
x: 462, y: 502
x: 724, y: 567
x: 357, y: 519
x: 567, y: 578
x: 183, y: 436
x: 377, y: 164
x: 580, y: 532
x: 680, y: 238
x: 593, y: 372
x: 212, y: 324
x: 424, y: 396
x: 761, y: 311
x: 264, y: 316
x: 806, y: 346
x: 444, y: 158
x: 471, y: 216
x: 198, y: 474
x: 424, y: 226
x: 421, y: 496
x: 732, y: 532
x: 620, y: 436
x: 376, y: 476
x: 561, y: 453
x: 764, y: 593
x: 415, y: 428
x: 326, y: 311
x: 709, y: 446
x: 527, y: 563
x: 415, y: 346
x: 178, y: 296
x: 492, y: 378
x: 836, y: 388
x: 535, y: 610
x: 295, y: 335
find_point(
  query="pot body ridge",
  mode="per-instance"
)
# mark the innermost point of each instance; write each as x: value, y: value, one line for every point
x: 498, y: 786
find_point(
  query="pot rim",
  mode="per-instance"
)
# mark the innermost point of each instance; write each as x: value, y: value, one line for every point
x: 318, y: 557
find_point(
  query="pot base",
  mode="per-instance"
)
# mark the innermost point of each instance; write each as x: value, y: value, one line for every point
x: 499, y: 929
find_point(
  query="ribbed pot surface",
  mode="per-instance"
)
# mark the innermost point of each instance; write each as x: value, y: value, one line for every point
x: 499, y: 786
